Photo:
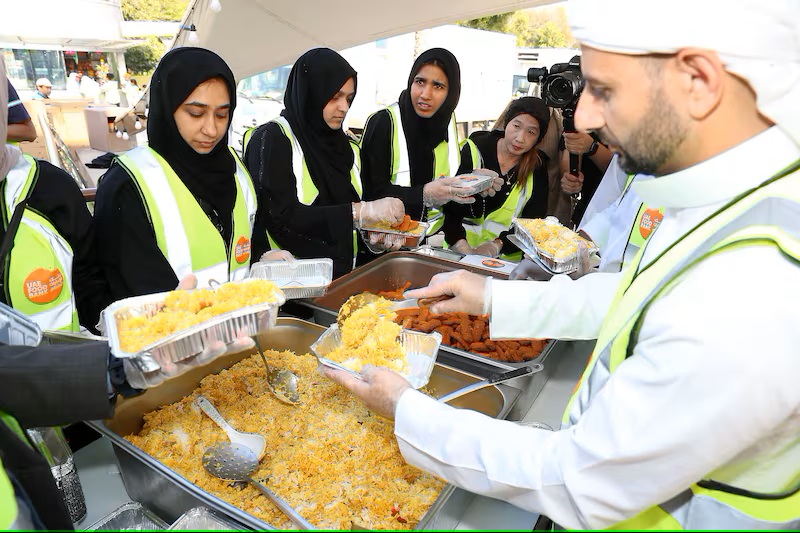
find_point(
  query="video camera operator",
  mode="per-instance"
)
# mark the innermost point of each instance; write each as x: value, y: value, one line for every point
x: 584, y: 159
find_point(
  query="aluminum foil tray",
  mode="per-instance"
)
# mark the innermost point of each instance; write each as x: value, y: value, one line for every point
x: 129, y: 517
x: 560, y: 265
x: 191, y: 341
x: 477, y: 183
x: 412, y: 240
x: 202, y: 518
x: 421, y: 350
x: 302, y: 278
x: 17, y: 329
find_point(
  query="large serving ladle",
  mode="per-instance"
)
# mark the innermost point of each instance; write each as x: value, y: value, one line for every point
x: 282, y: 382
x: 255, y: 442
x: 235, y: 462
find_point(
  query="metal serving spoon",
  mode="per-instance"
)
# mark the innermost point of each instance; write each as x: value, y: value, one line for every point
x: 235, y: 462
x: 493, y: 379
x: 255, y: 442
x: 282, y: 382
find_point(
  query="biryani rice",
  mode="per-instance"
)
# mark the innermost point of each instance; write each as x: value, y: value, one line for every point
x: 330, y: 458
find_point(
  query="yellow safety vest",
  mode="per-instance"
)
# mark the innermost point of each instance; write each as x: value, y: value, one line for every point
x: 446, y: 160
x: 39, y: 266
x: 307, y: 192
x: 707, y: 504
x: 185, y: 235
x: 491, y: 225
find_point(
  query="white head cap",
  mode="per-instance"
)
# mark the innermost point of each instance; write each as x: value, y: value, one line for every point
x: 43, y: 82
x: 758, y: 40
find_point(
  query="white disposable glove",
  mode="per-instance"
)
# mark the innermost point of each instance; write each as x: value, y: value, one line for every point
x: 471, y: 293
x: 388, y: 209
x: 384, y: 241
x: 529, y: 269
x: 462, y: 246
x: 443, y: 190
x: 489, y: 248
x: 278, y: 255
x: 497, y: 182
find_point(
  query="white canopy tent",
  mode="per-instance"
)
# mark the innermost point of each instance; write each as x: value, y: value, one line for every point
x: 257, y: 35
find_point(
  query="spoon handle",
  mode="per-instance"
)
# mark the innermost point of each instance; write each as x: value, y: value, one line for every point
x: 293, y: 515
x: 209, y: 409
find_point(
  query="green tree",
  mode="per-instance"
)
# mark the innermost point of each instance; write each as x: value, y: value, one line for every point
x: 549, y: 35
x: 490, y: 23
x: 143, y: 59
x: 171, y: 10
x: 520, y: 25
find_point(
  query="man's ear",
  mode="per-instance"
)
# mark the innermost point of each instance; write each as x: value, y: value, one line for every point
x: 706, y: 80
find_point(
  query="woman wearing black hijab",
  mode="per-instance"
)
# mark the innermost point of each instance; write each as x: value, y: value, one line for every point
x: 408, y: 146
x: 512, y: 152
x: 305, y: 168
x: 184, y: 203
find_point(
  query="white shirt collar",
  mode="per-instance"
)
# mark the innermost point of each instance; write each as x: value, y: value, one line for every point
x: 725, y: 175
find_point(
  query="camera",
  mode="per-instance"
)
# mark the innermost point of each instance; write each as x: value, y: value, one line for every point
x: 562, y: 85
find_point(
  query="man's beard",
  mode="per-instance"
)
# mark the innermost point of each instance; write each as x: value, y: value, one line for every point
x: 651, y: 145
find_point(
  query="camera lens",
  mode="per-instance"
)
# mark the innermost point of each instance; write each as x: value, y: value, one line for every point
x: 562, y: 89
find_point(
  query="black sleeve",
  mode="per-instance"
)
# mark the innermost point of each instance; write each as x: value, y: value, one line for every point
x: 16, y: 114
x: 376, y: 170
x: 59, y: 198
x: 55, y: 385
x: 307, y: 231
x: 126, y: 242
x: 454, y: 213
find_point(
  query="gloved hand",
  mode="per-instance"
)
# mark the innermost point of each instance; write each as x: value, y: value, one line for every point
x: 388, y: 209
x: 528, y: 269
x: 497, y: 182
x: 489, y: 248
x: 462, y: 246
x: 571, y: 184
x: 471, y: 293
x: 278, y: 255
x: 586, y: 261
x: 380, y: 242
x: 443, y: 190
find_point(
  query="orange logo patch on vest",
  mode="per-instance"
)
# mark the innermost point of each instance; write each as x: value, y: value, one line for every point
x: 649, y: 222
x: 242, y: 250
x: 43, y: 286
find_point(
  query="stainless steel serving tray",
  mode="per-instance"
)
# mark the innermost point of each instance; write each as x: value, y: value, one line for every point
x: 391, y: 271
x: 169, y: 495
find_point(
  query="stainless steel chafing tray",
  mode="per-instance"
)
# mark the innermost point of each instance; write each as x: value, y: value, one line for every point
x: 169, y: 495
x: 391, y: 271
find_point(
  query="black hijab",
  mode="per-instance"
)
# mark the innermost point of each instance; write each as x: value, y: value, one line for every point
x: 209, y: 177
x: 427, y: 133
x: 315, y: 78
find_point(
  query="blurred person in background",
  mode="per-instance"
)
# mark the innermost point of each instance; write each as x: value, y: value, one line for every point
x: 43, y: 89
x: 19, y: 123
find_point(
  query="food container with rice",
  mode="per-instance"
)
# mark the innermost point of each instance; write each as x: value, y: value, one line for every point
x: 411, y: 231
x: 170, y: 327
x: 369, y: 335
x: 554, y: 245
x: 477, y: 183
x: 300, y: 278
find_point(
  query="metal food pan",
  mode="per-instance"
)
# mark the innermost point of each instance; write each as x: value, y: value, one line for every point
x: 169, y: 495
x: 188, y: 342
x: 301, y: 278
x: 387, y: 273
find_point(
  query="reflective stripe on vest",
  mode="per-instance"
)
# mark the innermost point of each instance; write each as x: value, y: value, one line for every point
x: 40, y: 263
x: 446, y: 160
x: 734, y: 225
x: 489, y: 227
x: 248, y: 134
x: 307, y: 192
x: 184, y: 233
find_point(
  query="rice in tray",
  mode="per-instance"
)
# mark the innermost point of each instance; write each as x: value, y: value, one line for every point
x: 371, y: 337
x: 184, y: 309
x: 330, y: 458
x: 553, y: 238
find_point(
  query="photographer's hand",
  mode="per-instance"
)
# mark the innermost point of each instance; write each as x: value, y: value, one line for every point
x: 572, y: 184
x: 578, y: 142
